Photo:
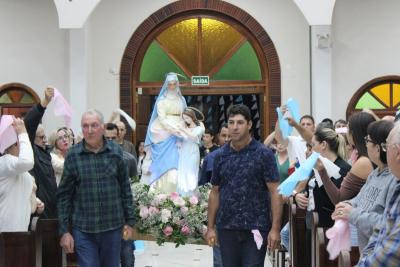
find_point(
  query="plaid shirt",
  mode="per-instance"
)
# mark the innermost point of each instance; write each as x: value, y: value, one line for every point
x: 94, y: 194
x: 383, y: 248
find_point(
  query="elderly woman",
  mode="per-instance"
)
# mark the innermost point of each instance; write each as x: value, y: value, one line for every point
x: 162, y: 135
x: 17, y: 186
x: 366, y: 209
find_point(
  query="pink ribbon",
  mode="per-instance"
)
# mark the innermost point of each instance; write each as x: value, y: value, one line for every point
x: 339, y: 238
x: 8, y: 135
x: 257, y: 238
x: 62, y: 107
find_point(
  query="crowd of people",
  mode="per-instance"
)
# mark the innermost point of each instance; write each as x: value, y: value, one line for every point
x: 85, y: 182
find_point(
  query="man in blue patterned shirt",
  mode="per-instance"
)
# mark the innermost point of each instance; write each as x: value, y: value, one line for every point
x: 94, y: 197
x: 245, y: 181
x: 383, y: 248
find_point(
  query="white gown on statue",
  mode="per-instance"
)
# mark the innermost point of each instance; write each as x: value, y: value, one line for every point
x: 189, y: 161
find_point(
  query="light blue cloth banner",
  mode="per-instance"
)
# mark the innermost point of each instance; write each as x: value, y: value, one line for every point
x: 302, y: 173
x: 294, y: 109
x: 286, y: 129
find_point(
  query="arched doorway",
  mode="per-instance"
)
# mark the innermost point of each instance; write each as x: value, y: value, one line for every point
x: 16, y: 99
x: 191, y: 52
x: 381, y: 95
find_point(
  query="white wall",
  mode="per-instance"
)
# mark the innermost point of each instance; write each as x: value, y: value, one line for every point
x: 33, y: 50
x: 111, y: 26
x: 321, y: 58
x: 38, y: 53
x: 366, y: 41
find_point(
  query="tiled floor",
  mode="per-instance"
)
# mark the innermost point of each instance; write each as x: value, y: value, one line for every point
x: 169, y: 256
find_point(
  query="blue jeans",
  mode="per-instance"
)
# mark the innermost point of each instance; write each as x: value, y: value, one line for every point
x: 285, y: 237
x: 238, y: 248
x: 98, y: 249
x: 217, y: 256
x: 127, y: 256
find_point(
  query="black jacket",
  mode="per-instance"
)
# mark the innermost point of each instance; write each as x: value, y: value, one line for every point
x: 42, y: 170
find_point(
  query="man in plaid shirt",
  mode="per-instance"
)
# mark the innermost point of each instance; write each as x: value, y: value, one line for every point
x: 94, y: 197
x: 383, y: 248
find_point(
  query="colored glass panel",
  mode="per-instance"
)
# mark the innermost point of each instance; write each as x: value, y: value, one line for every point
x: 27, y: 99
x: 156, y: 63
x: 382, y: 92
x: 218, y: 38
x: 5, y: 99
x: 369, y: 101
x: 396, y: 94
x: 243, y: 65
x: 180, y: 40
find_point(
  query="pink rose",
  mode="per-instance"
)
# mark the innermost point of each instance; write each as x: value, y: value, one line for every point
x: 168, y: 230
x: 193, y: 200
x: 174, y: 195
x: 179, y: 202
x: 144, y: 212
x: 184, y: 210
x: 153, y: 211
x: 185, y: 230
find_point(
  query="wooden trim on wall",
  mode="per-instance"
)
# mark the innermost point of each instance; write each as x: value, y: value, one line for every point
x: 366, y: 88
x: 21, y: 86
x: 238, y: 18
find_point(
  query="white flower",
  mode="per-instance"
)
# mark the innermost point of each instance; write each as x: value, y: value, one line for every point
x: 179, y: 202
x: 165, y: 215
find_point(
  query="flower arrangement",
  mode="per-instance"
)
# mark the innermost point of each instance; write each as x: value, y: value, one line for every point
x: 171, y: 217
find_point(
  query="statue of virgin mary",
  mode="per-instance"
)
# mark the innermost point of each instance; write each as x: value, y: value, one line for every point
x: 162, y: 138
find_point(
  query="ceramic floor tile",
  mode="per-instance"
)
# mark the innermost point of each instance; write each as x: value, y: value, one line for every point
x: 169, y: 256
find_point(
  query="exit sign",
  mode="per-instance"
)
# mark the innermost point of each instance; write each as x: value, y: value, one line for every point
x: 200, y: 80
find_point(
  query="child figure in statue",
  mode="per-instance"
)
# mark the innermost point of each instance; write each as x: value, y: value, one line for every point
x: 189, y: 156
x: 162, y: 136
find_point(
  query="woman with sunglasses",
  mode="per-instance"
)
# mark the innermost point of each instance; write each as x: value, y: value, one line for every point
x: 366, y: 209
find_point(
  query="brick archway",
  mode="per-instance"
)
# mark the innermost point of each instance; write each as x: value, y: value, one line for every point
x: 138, y: 43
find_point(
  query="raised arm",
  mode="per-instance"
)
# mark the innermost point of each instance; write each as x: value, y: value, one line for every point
x: 279, y: 137
x: 351, y: 184
x: 270, y: 138
x: 24, y: 162
x: 34, y: 116
x: 305, y: 133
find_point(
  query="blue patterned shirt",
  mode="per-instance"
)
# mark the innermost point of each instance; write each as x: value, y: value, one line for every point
x: 383, y: 248
x: 244, y: 199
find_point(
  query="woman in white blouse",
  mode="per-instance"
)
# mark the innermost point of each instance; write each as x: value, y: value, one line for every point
x: 62, y: 142
x: 17, y: 187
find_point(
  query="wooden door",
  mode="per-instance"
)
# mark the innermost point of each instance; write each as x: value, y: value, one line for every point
x: 18, y: 112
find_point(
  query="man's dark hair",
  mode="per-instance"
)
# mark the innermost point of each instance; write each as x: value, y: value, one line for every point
x: 308, y: 117
x: 240, y: 109
x: 112, y: 126
x: 208, y: 131
x: 223, y: 125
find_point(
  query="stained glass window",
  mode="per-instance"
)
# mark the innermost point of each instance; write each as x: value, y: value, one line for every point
x: 384, y: 96
x: 16, y: 96
x: 201, y: 46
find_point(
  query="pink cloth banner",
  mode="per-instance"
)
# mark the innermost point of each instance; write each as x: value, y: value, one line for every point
x: 339, y: 238
x: 62, y: 107
x: 8, y: 135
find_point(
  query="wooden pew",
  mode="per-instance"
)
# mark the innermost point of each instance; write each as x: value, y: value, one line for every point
x: 21, y: 249
x: 348, y: 259
x: 297, y: 235
x: 314, y: 225
x: 322, y: 257
x: 52, y: 254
